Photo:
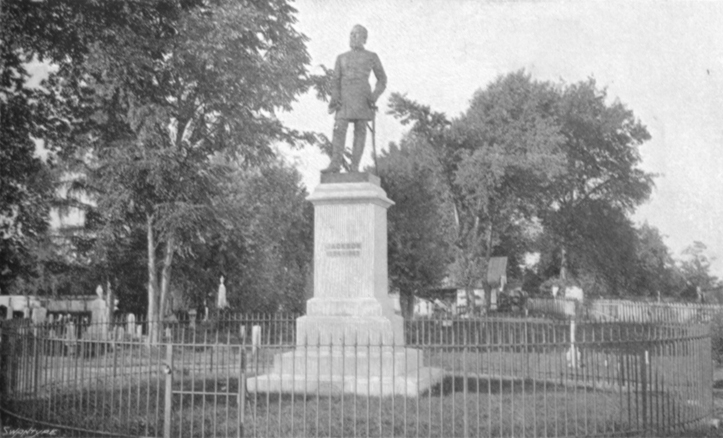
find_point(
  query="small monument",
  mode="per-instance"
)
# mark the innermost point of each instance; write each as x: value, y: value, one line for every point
x: 39, y: 315
x: 100, y: 316
x: 222, y: 302
x: 131, y: 324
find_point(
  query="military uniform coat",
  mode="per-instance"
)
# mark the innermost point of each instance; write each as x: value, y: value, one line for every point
x: 351, y: 94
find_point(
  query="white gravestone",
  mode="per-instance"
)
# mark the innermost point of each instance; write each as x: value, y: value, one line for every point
x: 100, y: 316
x: 222, y: 302
x: 131, y: 324
x: 255, y: 338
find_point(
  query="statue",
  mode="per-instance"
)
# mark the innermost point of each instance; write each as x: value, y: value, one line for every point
x: 352, y: 98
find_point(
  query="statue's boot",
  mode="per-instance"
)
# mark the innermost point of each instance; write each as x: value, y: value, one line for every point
x: 335, y: 165
x: 360, y: 136
x: 337, y: 146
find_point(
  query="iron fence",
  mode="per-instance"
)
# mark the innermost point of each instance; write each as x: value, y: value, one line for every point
x: 251, y: 376
x: 624, y: 310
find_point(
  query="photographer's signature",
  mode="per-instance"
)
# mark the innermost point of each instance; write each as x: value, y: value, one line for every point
x: 30, y: 432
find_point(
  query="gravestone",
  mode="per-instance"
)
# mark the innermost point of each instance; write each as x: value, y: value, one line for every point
x: 131, y: 324
x: 192, y: 317
x: 351, y: 339
x: 39, y: 315
x: 71, y: 338
x: 100, y: 316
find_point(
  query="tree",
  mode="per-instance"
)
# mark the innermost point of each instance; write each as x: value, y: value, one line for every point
x: 695, y: 269
x: 420, y: 221
x: 26, y: 181
x: 155, y: 90
x: 264, y: 249
x: 656, y: 273
x: 496, y: 161
x: 602, y: 176
x: 600, y: 252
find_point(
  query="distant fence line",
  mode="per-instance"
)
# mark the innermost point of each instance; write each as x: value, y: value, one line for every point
x: 499, y: 377
x: 624, y: 311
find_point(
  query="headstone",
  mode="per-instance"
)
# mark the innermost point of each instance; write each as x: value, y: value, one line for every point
x: 555, y: 290
x: 131, y: 323
x: 100, y: 319
x: 350, y: 323
x: 192, y: 316
x: 39, y: 315
x: 255, y: 338
x: 574, y: 293
x: 222, y: 301
x: 71, y: 337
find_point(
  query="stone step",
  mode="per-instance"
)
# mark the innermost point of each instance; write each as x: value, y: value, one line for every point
x: 348, y: 330
x: 412, y: 384
x: 367, y: 361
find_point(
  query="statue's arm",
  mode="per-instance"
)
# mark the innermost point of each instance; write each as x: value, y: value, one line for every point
x: 381, y: 77
x: 335, y: 101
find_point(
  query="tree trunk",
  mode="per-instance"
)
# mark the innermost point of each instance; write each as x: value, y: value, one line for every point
x: 563, y: 264
x: 471, y: 300
x: 406, y: 304
x: 488, y: 256
x: 152, y: 284
x: 166, y: 275
x: 110, y: 297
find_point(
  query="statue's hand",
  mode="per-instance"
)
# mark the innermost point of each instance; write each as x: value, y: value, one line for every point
x: 372, y: 103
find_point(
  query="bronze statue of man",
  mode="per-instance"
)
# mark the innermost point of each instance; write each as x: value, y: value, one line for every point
x: 352, y: 99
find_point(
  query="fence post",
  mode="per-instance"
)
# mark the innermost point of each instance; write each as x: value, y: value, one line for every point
x: 115, y: 361
x: 644, y: 387
x: 168, y: 369
x: 36, y: 365
x: 242, y: 391
x: 2, y: 375
x: 3, y: 348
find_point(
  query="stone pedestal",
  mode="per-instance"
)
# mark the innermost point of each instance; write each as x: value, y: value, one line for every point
x: 351, y: 339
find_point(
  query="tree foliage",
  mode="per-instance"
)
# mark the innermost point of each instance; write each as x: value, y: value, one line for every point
x: 538, y: 166
x: 602, y: 181
x: 420, y: 222
x: 153, y: 92
x: 496, y: 160
x: 656, y: 271
x: 26, y: 181
x: 264, y: 247
x: 695, y: 270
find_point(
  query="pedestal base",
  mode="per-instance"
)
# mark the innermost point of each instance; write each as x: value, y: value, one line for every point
x: 362, y: 370
x: 350, y: 330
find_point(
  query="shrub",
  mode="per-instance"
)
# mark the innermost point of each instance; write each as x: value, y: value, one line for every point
x: 716, y: 335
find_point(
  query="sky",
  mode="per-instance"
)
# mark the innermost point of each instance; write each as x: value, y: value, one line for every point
x: 662, y: 59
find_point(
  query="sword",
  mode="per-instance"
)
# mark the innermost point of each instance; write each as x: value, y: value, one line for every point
x: 373, y: 128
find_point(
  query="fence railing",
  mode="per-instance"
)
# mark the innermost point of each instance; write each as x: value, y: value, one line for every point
x: 624, y: 311
x: 465, y: 377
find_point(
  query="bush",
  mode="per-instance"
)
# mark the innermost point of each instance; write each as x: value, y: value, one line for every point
x: 716, y: 337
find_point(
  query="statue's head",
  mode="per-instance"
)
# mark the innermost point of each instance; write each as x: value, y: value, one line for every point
x: 358, y: 37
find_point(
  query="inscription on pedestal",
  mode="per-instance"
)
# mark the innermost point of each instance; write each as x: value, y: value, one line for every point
x: 343, y: 249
